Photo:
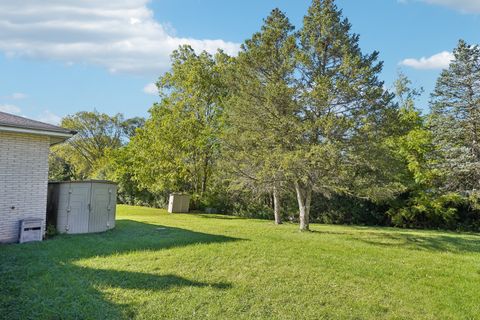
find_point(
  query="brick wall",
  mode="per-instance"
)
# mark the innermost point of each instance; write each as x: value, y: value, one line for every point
x: 23, y: 181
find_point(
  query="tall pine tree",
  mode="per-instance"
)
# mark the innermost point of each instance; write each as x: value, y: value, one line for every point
x: 262, y: 106
x: 341, y: 106
x: 455, y: 120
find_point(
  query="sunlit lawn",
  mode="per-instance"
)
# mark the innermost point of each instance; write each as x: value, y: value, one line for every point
x: 191, y: 266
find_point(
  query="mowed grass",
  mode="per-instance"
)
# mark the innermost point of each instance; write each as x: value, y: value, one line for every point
x: 194, y: 266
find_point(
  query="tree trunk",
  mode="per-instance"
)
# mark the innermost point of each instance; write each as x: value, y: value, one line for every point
x: 277, y: 210
x: 304, y: 197
x: 205, y: 174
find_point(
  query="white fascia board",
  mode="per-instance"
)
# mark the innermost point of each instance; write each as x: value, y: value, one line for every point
x: 59, y: 135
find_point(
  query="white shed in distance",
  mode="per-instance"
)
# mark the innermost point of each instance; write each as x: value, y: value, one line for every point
x: 178, y: 203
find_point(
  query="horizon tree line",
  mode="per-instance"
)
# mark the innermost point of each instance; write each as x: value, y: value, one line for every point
x: 301, y: 114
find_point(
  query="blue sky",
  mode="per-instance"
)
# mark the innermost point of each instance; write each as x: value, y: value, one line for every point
x: 59, y: 57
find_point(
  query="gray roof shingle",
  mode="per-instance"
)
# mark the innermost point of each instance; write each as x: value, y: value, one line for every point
x: 10, y: 120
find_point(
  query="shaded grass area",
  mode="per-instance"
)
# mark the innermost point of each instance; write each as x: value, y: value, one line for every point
x: 196, y: 266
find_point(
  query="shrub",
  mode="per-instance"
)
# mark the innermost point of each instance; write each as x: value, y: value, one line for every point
x: 425, y: 210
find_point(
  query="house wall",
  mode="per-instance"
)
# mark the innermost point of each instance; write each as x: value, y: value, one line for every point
x: 23, y: 181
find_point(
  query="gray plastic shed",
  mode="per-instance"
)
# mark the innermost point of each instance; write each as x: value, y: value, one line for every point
x: 82, y: 206
x: 179, y: 203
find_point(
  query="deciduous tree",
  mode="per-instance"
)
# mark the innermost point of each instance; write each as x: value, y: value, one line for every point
x: 85, y: 153
x: 179, y: 145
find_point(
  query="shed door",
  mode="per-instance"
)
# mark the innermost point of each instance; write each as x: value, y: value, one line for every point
x: 99, y: 208
x: 112, y: 190
x: 77, y: 210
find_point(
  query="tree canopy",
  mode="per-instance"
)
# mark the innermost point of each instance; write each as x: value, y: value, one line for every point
x: 180, y: 141
x: 299, y: 126
x: 455, y: 120
x: 84, y: 155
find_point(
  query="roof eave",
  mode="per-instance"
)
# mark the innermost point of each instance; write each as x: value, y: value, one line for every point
x: 56, y: 137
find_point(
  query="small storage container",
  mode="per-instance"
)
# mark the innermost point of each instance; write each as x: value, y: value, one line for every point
x: 178, y: 203
x: 31, y: 230
x: 82, y: 206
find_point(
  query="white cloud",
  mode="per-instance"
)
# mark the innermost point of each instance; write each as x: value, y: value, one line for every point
x: 464, y: 6
x: 46, y: 116
x: 10, y: 108
x: 121, y: 35
x: 18, y: 96
x: 49, y: 117
x: 437, y: 61
x: 151, y: 88
x: 15, y: 96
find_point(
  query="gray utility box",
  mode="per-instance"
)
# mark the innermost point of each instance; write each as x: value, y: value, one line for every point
x: 31, y: 230
x: 82, y: 206
x: 178, y: 203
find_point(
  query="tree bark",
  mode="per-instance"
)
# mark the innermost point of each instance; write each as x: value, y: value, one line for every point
x: 277, y: 210
x: 304, y: 197
x: 205, y: 174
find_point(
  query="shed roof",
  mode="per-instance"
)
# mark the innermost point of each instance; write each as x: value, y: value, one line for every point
x: 83, y: 181
x: 13, y: 123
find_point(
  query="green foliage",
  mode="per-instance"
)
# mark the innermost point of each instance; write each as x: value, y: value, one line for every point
x: 85, y: 155
x: 426, y: 210
x: 441, y: 155
x: 261, y: 108
x: 413, y: 141
x: 298, y: 121
x: 350, y: 210
x: 51, y: 231
x: 59, y: 168
x: 120, y: 168
x: 455, y: 121
x: 343, y: 110
x: 308, y: 109
x: 178, y: 148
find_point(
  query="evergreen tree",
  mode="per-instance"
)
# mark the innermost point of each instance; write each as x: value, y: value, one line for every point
x: 262, y: 107
x: 341, y: 107
x: 455, y: 121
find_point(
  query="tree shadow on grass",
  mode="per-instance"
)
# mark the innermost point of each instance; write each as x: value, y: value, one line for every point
x: 434, y: 243
x: 427, y: 241
x: 43, y: 281
x: 206, y: 215
x: 218, y: 216
x: 147, y: 281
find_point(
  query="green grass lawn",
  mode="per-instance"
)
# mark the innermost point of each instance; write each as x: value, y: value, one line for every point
x: 195, y: 266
